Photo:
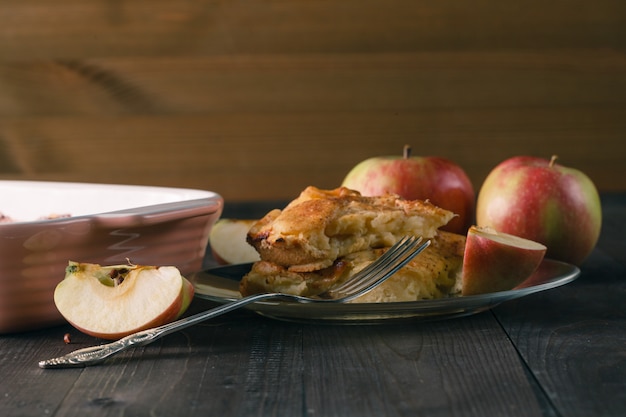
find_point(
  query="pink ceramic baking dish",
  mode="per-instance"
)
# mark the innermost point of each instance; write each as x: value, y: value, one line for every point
x: 107, y: 224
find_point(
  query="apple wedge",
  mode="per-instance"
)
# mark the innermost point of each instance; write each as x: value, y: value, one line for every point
x: 111, y: 302
x: 496, y: 261
x: 228, y: 241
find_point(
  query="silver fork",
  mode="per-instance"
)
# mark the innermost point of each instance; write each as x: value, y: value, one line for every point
x: 360, y: 283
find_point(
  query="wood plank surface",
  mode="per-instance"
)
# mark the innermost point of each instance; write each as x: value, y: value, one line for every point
x: 428, y: 369
x: 257, y: 100
x: 245, y: 365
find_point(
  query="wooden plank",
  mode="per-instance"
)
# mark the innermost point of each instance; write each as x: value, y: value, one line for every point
x: 217, y: 367
x: 275, y: 156
x: 611, y: 241
x: 312, y: 83
x: 244, y: 364
x: 463, y: 367
x: 26, y: 389
x: 33, y: 30
x: 573, y: 338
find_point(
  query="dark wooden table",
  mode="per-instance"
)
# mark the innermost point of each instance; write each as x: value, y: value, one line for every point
x: 557, y: 353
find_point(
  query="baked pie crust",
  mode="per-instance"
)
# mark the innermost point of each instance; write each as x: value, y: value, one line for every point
x: 322, y: 225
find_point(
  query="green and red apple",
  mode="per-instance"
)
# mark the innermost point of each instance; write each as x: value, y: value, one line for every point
x: 543, y: 201
x: 111, y: 302
x: 495, y: 261
x: 432, y: 178
x: 228, y: 241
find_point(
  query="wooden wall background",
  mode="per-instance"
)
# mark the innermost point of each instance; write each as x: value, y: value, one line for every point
x: 258, y: 99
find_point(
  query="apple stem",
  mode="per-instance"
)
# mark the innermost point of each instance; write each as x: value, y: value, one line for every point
x: 553, y: 160
x: 406, y: 152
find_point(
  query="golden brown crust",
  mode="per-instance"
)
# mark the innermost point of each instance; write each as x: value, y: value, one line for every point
x: 319, y: 226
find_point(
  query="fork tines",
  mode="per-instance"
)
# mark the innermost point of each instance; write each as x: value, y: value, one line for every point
x: 390, y: 262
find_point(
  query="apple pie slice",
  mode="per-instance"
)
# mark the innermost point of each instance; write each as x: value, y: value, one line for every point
x: 324, y: 237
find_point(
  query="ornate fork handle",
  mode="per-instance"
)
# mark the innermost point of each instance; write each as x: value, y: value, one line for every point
x: 96, y: 354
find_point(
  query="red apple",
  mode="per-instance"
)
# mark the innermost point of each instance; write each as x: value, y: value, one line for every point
x: 111, y: 302
x: 432, y: 178
x: 543, y: 201
x: 495, y: 261
x: 228, y: 241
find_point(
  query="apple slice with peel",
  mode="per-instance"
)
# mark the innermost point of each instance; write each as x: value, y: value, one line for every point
x: 228, y: 241
x: 111, y: 302
x: 496, y: 261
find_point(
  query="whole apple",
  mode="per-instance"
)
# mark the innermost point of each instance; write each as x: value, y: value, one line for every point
x: 540, y: 200
x: 436, y: 179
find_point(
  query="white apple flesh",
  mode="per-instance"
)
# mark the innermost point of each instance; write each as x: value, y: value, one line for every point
x: 496, y: 261
x: 111, y: 302
x: 228, y: 241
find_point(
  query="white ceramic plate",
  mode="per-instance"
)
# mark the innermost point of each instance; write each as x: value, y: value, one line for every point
x: 220, y: 285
